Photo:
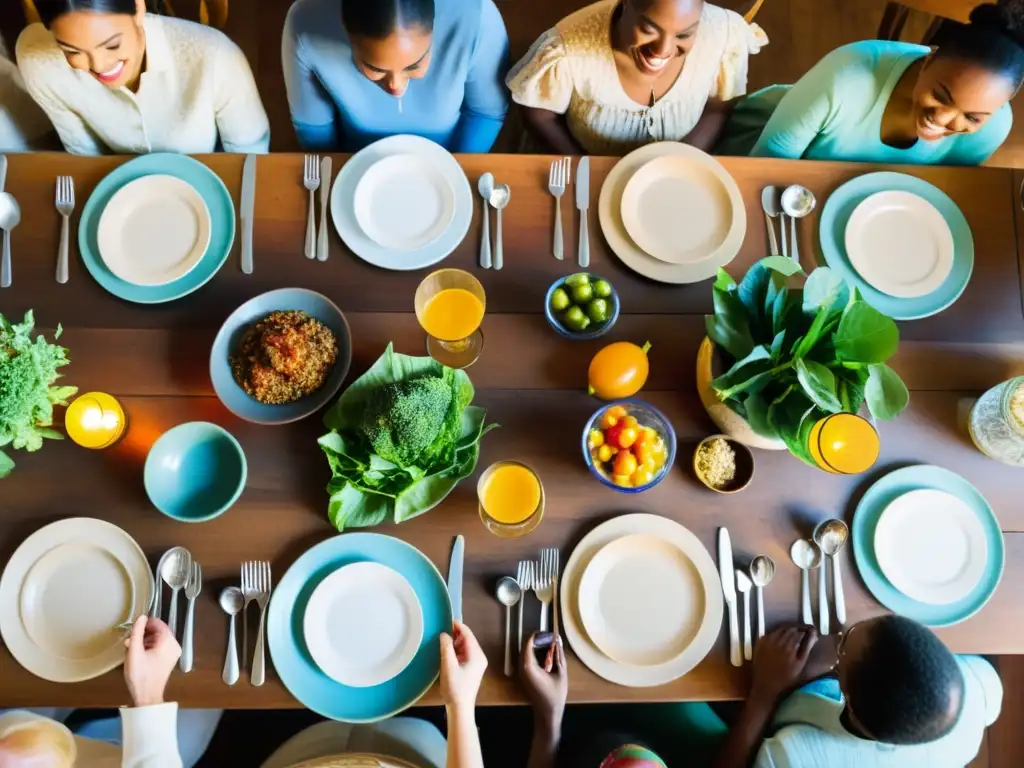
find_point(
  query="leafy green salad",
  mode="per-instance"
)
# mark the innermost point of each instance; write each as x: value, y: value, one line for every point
x: 402, y: 436
x: 28, y: 370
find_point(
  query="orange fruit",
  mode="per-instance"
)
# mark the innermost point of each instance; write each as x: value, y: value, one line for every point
x: 619, y: 370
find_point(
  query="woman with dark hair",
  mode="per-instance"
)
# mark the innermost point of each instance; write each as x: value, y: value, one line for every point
x: 893, y: 102
x: 113, y: 78
x: 357, y: 71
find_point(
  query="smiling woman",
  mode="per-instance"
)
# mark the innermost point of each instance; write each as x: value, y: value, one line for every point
x: 114, y: 78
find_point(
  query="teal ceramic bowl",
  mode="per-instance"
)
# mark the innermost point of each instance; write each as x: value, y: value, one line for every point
x: 195, y: 471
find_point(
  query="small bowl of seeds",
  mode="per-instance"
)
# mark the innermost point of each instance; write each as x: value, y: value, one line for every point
x: 724, y: 465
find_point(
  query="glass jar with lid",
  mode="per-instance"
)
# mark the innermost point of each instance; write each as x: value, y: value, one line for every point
x: 997, y: 422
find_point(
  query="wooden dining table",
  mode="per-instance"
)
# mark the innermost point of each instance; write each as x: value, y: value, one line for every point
x: 532, y: 382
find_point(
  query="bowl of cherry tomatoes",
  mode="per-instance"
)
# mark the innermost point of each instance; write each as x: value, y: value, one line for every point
x: 629, y: 445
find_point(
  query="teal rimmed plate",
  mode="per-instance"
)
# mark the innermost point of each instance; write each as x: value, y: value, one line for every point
x: 222, y: 226
x: 291, y: 657
x: 832, y: 231
x: 865, y: 520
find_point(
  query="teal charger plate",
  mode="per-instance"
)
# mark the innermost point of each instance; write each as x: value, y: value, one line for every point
x: 222, y: 226
x: 865, y: 520
x: 292, y: 659
x: 832, y: 232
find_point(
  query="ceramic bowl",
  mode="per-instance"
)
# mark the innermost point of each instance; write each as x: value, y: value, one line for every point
x: 648, y: 416
x: 594, y: 331
x: 235, y: 398
x: 195, y: 472
x: 744, y: 465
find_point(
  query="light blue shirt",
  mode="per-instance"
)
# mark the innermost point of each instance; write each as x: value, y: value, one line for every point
x: 807, y: 732
x: 834, y: 112
x: 461, y: 102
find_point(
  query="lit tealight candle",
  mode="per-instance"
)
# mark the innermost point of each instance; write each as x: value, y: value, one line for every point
x: 95, y: 420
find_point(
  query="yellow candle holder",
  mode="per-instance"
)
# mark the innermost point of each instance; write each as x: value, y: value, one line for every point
x: 95, y: 420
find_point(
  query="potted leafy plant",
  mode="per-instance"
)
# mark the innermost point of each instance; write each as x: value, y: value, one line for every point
x: 28, y: 370
x: 792, y: 357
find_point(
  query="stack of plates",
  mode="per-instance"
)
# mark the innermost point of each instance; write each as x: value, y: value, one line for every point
x: 157, y: 228
x: 63, y: 593
x: 672, y: 213
x: 402, y: 203
x: 641, y: 600
x: 354, y: 624
x: 904, y: 244
x: 928, y: 545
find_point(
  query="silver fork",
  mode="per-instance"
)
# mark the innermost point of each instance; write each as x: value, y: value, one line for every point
x: 260, y: 582
x: 311, y: 180
x: 65, y: 201
x: 249, y: 591
x: 192, y: 590
x: 524, y: 575
x: 544, y: 585
x: 558, y: 180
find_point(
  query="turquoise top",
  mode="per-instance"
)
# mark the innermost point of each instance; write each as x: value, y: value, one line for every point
x: 808, y: 732
x: 460, y: 103
x: 834, y: 112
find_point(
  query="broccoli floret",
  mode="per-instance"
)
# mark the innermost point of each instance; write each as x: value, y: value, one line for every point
x: 402, y: 419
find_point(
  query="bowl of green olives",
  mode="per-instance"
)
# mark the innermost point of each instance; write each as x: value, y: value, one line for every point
x: 581, y: 306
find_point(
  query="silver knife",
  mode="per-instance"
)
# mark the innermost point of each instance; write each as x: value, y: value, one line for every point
x: 322, y: 241
x: 247, y: 209
x: 3, y: 172
x: 728, y: 574
x: 455, y: 577
x: 582, y: 204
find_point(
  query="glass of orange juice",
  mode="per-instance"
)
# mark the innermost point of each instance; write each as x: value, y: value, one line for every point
x: 511, y: 499
x: 844, y: 444
x: 450, y: 307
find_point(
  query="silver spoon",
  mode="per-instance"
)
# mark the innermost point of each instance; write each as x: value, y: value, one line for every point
x: 771, y: 203
x: 499, y: 199
x: 743, y: 585
x: 10, y: 217
x: 508, y: 593
x: 762, y: 570
x: 486, y: 186
x: 772, y: 209
x: 175, y: 571
x: 831, y: 536
x: 231, y: 602
x: 806, y: 556
x: 797, y: 202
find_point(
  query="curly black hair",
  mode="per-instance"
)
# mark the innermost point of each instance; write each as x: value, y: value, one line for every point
x: 994, y: 38
x: 906, y: 687
x: 377, y: 19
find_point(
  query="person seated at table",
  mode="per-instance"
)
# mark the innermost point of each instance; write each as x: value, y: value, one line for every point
x: 151, y: 733
x: 892, y: 102
x: 23, y: 126
x: 359, y: 71
x: 113, y: 78
x: 619, y: 74
x: 899, y: 699
x: 412, y: 741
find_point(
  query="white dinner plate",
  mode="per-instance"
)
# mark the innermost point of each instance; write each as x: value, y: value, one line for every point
x: 154, y: 230
x: 82, y: 531
x: 71, y: 598
x: 900, y: 244
x: 404, y: 202
x: 931, y: 546
x: 363, y: 624
x: 710, y: 623
x: 641, y: 600
x: 677, y: 209
x: 634, y: 256
x: 343, y: 209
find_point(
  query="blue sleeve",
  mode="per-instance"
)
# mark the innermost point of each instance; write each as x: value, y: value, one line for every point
x: 976, y: 148
x: 815, y: 104
x: 486, y: 101
x: 312, y: 109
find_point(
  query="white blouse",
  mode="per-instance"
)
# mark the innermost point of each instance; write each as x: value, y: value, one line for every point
x: 571, y: 70
x: 197, y: 87
x: 22, y: 122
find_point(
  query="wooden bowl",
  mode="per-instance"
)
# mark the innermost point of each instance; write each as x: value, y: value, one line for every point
x: 744, y: 465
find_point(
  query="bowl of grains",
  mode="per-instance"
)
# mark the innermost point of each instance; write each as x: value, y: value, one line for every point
x: 281, y: 356
x: 724, y: 465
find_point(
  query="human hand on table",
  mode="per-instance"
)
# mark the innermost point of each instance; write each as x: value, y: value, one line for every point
x: 462, y: 666
x: 780, y: 661
x: 547, y: 690
x: 152, y: 654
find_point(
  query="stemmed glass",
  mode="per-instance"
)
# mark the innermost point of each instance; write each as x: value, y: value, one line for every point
x: 450, y: 305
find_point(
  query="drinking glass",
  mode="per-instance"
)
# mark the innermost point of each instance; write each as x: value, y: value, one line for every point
x: 453, y: 330
x: 502, y: 528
